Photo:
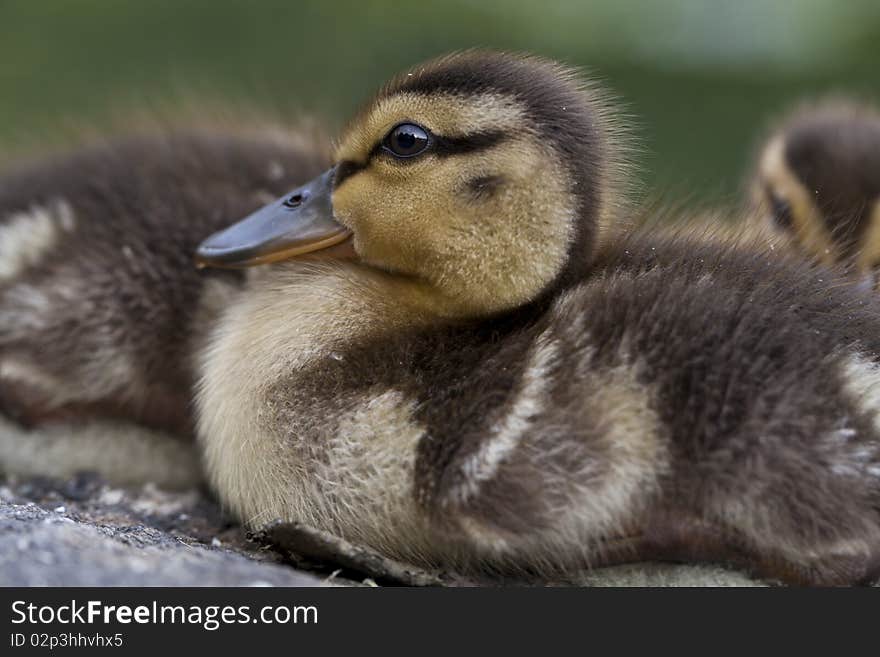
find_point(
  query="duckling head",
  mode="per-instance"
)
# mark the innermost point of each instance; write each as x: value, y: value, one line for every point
x: 818, y: 181
x: 483, y: 177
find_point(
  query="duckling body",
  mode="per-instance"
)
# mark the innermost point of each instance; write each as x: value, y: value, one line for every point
x: 635, y: 407
x: 101, y: 307
x: 486, y: 387
x: 818, y: 179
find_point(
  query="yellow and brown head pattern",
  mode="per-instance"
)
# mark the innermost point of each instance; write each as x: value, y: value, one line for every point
x: 482, y: 175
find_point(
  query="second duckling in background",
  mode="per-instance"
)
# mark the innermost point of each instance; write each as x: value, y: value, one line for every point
x: 817, y: 182
x: 101, y: 308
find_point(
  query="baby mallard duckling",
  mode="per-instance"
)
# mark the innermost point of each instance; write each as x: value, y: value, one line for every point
x: 101, y: 309
x: 818, y: 180
x: 482, y: 385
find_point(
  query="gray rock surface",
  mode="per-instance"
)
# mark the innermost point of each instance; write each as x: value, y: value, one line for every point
x: 85, y: 533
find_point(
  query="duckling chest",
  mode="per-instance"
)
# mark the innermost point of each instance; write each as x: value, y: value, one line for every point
x: 412, y: 384
x: 299, y: 418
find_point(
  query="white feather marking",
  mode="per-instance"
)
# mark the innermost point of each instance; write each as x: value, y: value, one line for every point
x: 507, y: 433
x: 26, y: 237
x: 842, y: 436
x: 861, y: 380
x: 21, y: 372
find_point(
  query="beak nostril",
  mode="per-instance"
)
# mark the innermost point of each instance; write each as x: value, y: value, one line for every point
x: 294, y: 201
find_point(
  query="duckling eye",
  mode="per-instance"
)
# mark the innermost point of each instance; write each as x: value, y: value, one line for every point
x: 406, y: 140
x: 781, y: 211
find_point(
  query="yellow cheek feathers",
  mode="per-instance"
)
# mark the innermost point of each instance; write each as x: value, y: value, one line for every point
x: 298, y: 224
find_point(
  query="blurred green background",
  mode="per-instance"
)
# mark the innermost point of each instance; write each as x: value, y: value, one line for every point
x: 702, y: 77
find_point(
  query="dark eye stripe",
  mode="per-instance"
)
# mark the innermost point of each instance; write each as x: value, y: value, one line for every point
x: 441, y: 146
x: 781, y: 211
x: 472, y: 143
